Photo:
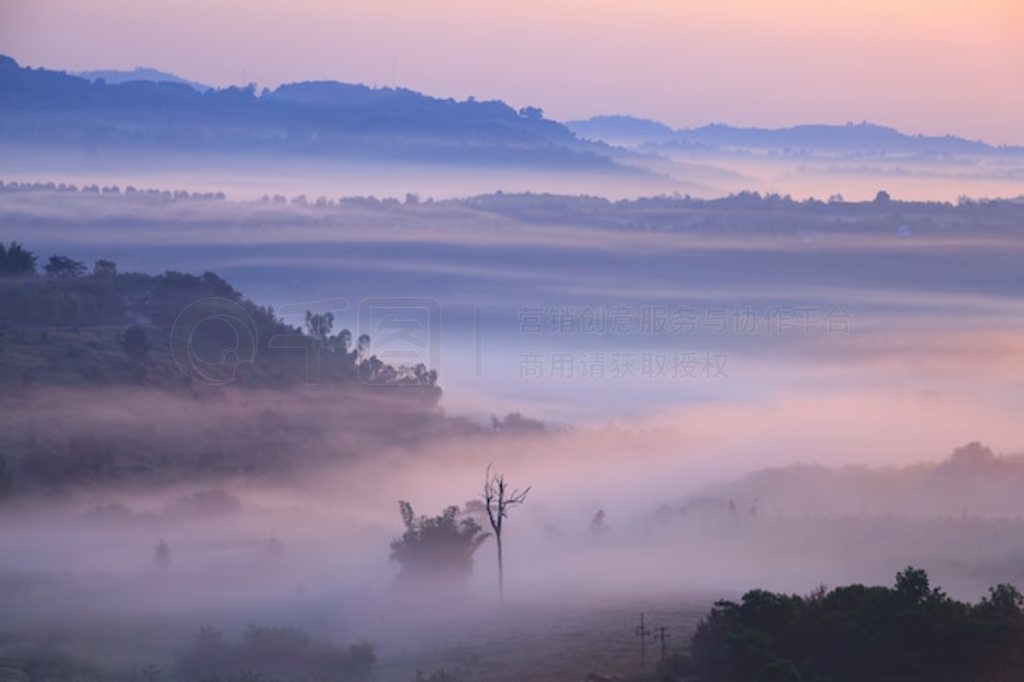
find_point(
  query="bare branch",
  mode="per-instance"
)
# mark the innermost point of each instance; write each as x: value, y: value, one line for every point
x: 498, y: 499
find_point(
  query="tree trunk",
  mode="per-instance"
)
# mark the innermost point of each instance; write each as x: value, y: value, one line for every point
x: 501, y: 573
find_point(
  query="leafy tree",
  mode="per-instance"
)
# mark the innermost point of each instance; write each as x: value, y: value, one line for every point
x: 16, y: 261
x: 104, y: 269
x: 912, y: 585
x: 63, y: 267
x: 515, y: 422
x: 906, y: 633
x: 343, y: 340
x: 532, y: 113
x: 436, y: 548
x: 1003, y: 601
x: 319, y: 325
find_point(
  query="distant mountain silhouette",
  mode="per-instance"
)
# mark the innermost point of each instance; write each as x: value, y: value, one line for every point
x: 860, y: 137
x: 628, y: 130
x: 971, y: 481
x: 325, y: 119
x: 139, y: 73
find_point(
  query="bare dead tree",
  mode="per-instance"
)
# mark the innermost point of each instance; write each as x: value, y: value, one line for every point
x: 498, y: 499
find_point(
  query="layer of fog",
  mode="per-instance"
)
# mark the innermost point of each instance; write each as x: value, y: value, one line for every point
x: 933, y: 308
x: 249, y: 178
x: 701, y: 173
x: 308, y: 546
x: 855, y: 177
x: 335, y: 514
x: 931, y: 359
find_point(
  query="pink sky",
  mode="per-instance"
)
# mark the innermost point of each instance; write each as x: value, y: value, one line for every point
x: 929, y: 66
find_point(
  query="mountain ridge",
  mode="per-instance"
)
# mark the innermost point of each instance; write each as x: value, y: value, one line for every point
x: 864, y: 136
x: 318, y: 118
x: 139, y: 73
x: 972, y: 481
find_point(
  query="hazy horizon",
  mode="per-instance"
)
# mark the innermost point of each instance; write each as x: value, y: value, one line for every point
x: 915, y: 66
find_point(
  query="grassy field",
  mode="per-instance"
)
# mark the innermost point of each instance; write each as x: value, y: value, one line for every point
x: 544, y: 643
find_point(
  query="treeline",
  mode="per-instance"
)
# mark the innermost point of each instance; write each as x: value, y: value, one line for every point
x: 164, y: 341
x: 114, y: 190
x: 172, y: 321
x: 260, y: 654
x: 746, y: 199
x: 649, y: 211
x: 45, y: 109
x: 905, y: 633
x: 271, y: 653
x: 172, y: 195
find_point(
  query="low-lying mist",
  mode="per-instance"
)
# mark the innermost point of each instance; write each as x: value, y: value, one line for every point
x: 838, y: 449
x: 605, y: 501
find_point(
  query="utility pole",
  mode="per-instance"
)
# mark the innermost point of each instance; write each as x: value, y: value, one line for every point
x: 643, y: 633
x: 662, y: 637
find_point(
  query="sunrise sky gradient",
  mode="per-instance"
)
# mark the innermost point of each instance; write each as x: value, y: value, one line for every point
x: 924, y: 66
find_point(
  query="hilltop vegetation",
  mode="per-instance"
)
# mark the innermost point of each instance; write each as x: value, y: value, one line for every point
x: 69, y: 325
x: 973, y: 482
x: 139, y: 73
x: 101, y: 373
x: 324, y: 119
x: 908, y: 632
x: 861, y: 138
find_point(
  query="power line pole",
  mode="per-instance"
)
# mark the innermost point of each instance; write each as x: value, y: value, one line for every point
x: 663, y: 637
x: 643, y: 633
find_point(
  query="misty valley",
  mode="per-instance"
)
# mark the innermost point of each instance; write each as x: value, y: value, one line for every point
x: 511, y: 342
x: 247, y: 489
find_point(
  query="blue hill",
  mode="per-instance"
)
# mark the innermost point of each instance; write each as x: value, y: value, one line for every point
x: 40, y: 107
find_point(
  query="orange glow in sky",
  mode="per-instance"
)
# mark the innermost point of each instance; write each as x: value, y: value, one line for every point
x: 928, y: 66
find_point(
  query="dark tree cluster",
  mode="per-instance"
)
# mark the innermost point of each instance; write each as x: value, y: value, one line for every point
x: 164, y: 195
x: 16, y: 261
x: 272, y: 653
x: 440, y: 549
x: 908, y: 632
x: 202, y: 319
x: 193, y: 335
x: 317, y: 118
x: 762, y: 213
x: 436, y: 548
x: 64, y: 296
